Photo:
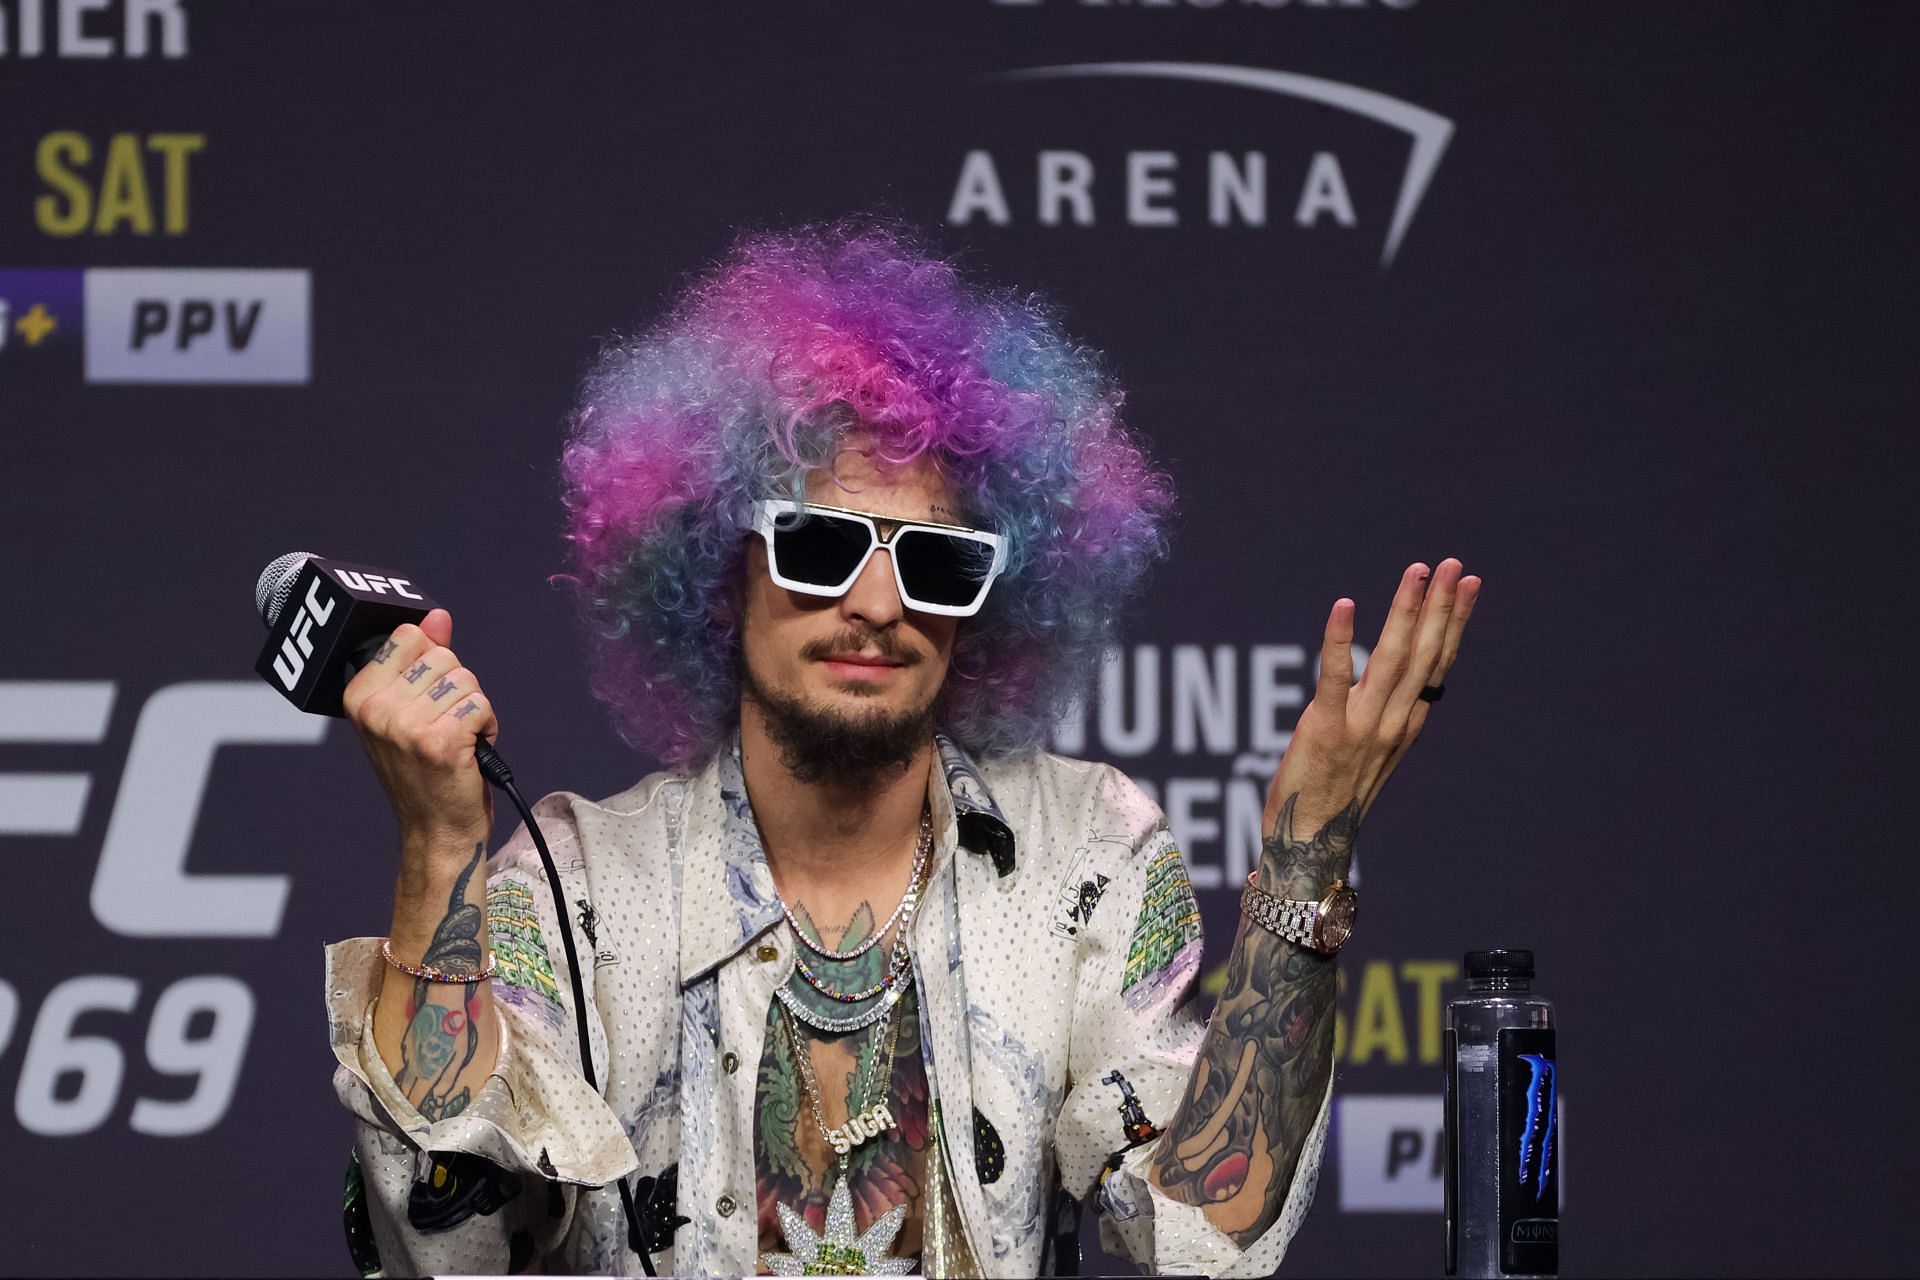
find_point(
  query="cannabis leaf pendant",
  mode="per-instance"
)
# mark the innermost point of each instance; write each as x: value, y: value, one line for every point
x: 838, y: 1253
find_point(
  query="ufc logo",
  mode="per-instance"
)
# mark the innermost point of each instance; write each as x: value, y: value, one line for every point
x: 378, y: 585
x: 141, y: 887
x: 297, y: 646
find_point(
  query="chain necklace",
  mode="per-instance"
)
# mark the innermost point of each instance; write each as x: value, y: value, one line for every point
x: 898, y: 959
x: 838, y: 1251
x: 866, y: 1018
x: 873, y: 1117
x: 920, y: 852
x: 897, y: 962
x: 899, y: 971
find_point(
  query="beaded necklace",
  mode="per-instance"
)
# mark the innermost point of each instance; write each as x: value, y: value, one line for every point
x: 897, y: 961
x: 898, y: 975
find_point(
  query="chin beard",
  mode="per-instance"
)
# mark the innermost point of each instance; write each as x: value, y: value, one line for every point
x: 846, y: 751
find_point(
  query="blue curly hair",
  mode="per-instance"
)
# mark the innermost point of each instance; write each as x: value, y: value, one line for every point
x: 767, y: 360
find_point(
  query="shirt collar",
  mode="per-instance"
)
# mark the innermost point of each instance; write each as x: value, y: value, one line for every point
x: 982, y: 827
x: 727, y: 894
x: 728, y: 898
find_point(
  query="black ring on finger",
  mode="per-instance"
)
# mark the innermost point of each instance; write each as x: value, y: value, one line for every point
x: 1433, y: 692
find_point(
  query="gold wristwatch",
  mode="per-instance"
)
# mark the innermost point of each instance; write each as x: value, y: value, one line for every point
x: 1322, y: 926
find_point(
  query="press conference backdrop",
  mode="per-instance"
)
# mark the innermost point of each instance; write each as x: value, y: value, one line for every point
x: 1613, y: 300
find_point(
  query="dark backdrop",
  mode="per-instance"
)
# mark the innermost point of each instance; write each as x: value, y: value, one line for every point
x: 1642, y: 356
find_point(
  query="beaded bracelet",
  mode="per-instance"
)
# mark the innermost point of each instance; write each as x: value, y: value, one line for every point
x: 432, y: 975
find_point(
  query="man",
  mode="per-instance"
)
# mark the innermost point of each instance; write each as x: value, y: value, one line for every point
x: 875, y: 985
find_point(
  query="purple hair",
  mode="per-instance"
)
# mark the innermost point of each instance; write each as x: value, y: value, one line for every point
x: 764, y: 363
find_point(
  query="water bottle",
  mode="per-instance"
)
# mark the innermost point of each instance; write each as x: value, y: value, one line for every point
x: 1503, y: 1163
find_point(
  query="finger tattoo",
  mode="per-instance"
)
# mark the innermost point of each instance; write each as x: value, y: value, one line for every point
x: 465, y: 709
x: 413, y: 674
x: 386, y: 651
x: 441, y: 688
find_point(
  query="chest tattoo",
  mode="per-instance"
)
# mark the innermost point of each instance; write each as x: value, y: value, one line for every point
x: 872, y: 1088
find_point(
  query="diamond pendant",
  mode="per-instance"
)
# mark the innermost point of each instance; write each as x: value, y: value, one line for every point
x: 838, y: 1252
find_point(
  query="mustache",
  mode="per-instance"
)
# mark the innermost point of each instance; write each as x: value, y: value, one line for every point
x: 861, y: 640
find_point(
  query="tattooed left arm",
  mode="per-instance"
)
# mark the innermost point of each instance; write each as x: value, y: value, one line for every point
x: 1256, y: 1088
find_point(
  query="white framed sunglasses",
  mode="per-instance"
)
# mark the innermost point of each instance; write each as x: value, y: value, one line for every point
x: 819, y: 551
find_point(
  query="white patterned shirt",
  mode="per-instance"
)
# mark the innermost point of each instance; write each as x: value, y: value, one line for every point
x: 1054, y: 953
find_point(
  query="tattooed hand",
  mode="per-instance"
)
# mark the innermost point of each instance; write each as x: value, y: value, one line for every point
x: 1352, y: 735
x: 1234, y: 1145
x: 417, y: 710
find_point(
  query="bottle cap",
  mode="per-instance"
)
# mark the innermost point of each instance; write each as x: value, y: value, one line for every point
x: 1500, y: 964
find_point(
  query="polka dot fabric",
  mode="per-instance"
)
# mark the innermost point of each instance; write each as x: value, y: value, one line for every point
x: 1030, y: 1012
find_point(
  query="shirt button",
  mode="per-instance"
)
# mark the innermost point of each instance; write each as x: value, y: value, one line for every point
x: 766, y: 952
x: 725, y: 1206
x: 729, y: 1062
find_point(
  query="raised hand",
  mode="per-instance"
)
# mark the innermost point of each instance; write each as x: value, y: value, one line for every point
x: 1352, y: 735
x: 1234, y: 1145
x: 418, y: 711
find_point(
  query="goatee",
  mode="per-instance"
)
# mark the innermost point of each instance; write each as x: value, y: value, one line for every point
x: 840, y: 750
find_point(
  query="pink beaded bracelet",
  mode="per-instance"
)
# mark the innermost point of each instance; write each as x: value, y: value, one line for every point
x: 432, y: 975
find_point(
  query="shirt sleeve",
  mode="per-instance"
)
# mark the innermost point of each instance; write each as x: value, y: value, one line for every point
x: 1137, y: 1032
x: 492, y: 1188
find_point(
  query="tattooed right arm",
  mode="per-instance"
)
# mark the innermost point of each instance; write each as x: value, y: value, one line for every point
x: 439, y: 1039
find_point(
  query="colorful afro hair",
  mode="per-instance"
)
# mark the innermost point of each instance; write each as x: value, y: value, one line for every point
x: 768, y: 360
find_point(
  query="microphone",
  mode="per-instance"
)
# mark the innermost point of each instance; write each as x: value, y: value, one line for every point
x: 325, y: 620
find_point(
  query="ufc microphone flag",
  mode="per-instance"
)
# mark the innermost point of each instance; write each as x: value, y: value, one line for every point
x: 325, y: 623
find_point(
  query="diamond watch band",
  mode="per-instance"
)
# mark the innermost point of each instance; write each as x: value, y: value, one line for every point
x: 1321, y: 927
x: 1291, y: 919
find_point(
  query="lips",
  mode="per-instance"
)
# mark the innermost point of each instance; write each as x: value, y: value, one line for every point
x: 860, y: 654
x: 861, y: 668
x: 862, y: 660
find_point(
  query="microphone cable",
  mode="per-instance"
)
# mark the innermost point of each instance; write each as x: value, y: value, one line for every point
x: 495, y: 769
x: 271, y: 592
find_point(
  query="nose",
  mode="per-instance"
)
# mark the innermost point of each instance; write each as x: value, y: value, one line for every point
x: 874, y: 598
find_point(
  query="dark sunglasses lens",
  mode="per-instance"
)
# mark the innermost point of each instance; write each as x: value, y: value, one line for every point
x: 818, y: 549
x: 938, y: 568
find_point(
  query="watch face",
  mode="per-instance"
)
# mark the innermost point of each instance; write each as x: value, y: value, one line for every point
x: 1336, y: 919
